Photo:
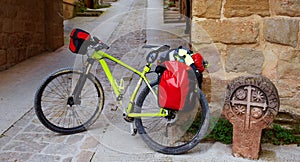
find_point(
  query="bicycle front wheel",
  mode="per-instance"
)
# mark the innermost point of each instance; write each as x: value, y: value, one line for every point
x: 54, y: 107
x: 177, y: 133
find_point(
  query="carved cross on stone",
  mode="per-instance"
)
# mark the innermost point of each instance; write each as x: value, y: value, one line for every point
x: 247, y: 103
x: 251, y: 103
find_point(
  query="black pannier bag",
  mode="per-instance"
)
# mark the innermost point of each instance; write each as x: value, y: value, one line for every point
x: 79, y: 40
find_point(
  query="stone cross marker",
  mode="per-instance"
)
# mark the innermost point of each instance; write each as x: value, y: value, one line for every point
x: 251, y: 104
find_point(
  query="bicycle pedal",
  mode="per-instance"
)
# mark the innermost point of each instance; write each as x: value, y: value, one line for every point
x: 115, y: 108
x: 129, y: 119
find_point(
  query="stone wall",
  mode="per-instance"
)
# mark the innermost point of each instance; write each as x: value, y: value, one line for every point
x: 255, y: 37
x: 68, y: 8
x: 28, y: 28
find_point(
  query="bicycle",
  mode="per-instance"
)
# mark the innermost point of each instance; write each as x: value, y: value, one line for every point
x: 69, y: 101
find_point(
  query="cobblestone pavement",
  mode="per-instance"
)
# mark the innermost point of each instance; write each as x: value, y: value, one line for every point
x: 29, y: 140
x: 109, y: 139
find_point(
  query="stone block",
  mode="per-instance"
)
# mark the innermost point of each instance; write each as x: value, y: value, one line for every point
x: 3, y: 59
x: 286, y: 7
x: 299, y: 37
x: 211, y: 54
x: 289, y: 65
x: 38, y: 38
x: 68, y: 10
x: 270, y: 64
x: 238, y: 8
x: 40, y: 27
x: 8, y: 11
x: 29, y: 27
x: 12, y: 56
x: 251, y: 104
x: 3, y: 40
x: 7, y: 26
x: 287, y: 89
x: 33, y: 50
x: 231, y: 31
x: 18, y: 26
x: 2, y: 12
x: 198, y: 34
x: 207, y: 8
x: 281, y: 30
x: 244, y: 60
x: 21, y: 54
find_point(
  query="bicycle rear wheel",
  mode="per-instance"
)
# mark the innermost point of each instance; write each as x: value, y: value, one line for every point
x: 54, y: 106
x: 177, y: 133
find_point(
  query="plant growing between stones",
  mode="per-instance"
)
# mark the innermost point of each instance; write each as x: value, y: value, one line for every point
x: 80, y: 6
x: 222, y: 132
x: 279, y: 135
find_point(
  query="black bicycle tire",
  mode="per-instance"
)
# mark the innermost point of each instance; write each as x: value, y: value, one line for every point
x: 177, y: 149
x: 62, y: 130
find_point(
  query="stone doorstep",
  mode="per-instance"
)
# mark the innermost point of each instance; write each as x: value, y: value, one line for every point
x: 110, y: 0
x: 89, y: 13
x: 173, y: 21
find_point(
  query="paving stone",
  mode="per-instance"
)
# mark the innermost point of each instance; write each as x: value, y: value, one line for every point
x: 14, y: 156
x: 30, y: 128
x: 27, y: 136
x: 60, y: 149
x: 13, y: 131
x: 85, y: 156
x: 89, y: 143
x: 21, y: 123
x: 24, y: 146
x: 41, y: 157
x: 68, y: 159
x: 73, y: 139
x: 3, y: 141
x: 52, y: 138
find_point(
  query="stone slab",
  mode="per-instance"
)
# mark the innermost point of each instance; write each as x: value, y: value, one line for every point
x: 207, y: 8
x: 281, y: 30
x: 229, y: 31
x: 238, y: 8
x: 244, y: 60
x: 286, y: 8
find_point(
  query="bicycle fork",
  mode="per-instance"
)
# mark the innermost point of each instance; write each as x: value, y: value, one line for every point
x: 75, y: 99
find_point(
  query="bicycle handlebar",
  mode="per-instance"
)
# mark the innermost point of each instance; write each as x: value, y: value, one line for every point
x: 99, y: 45
x: 152, y: 56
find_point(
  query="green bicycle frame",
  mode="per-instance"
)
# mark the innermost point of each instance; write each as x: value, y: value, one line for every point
x: 100, y: 55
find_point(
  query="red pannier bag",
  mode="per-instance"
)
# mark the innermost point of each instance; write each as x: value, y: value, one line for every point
x: 174, y: 85
x: 198, y: 61
x: 78, y: 37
